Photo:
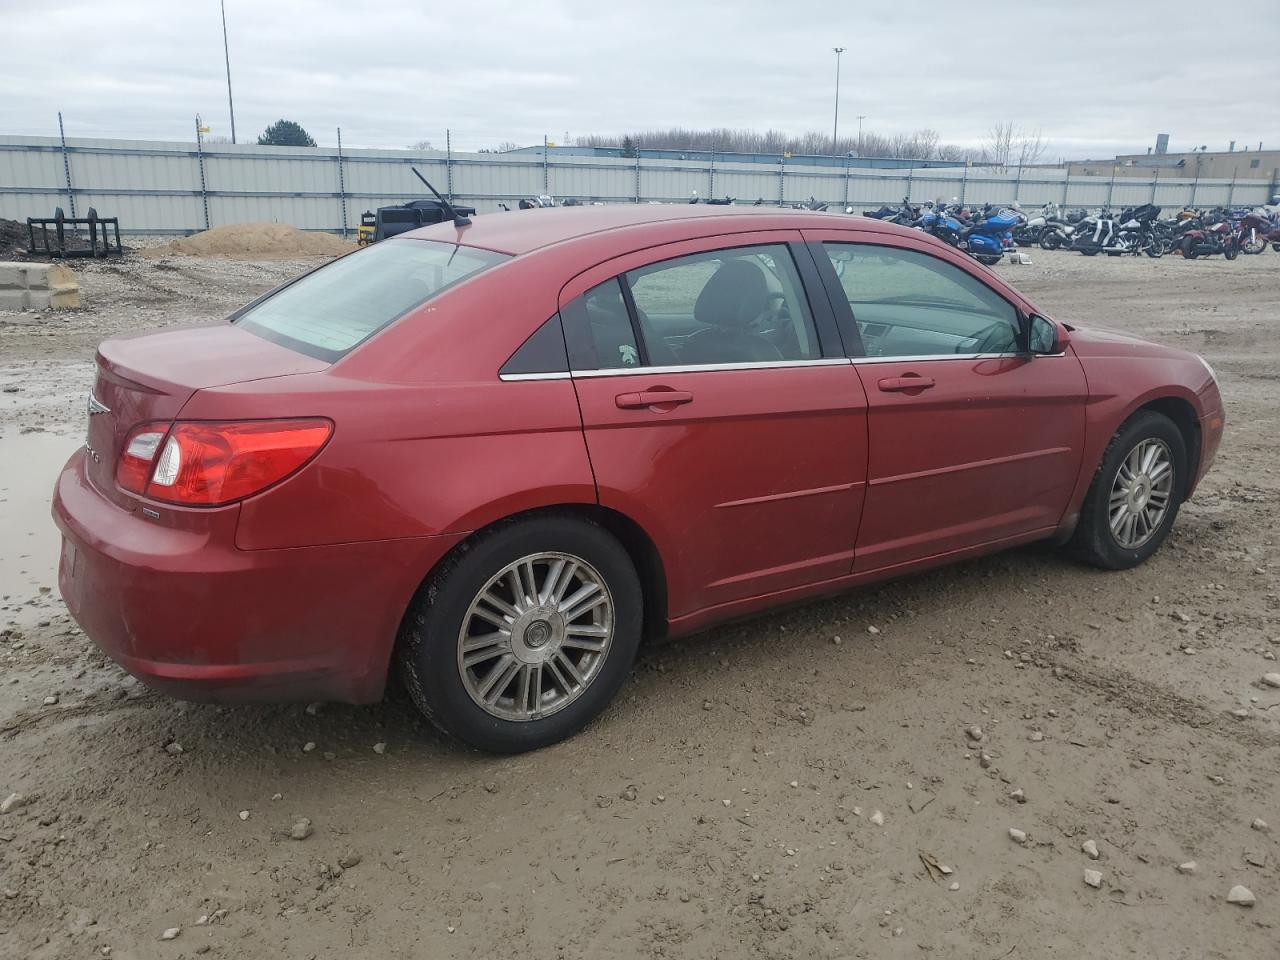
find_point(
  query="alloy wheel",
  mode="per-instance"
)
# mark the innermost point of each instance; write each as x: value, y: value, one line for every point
x: 535, y: 636
x: 1140, y: 493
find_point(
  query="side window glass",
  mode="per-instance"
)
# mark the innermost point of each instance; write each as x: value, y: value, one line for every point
x: 609, y: 325
x: 739, y: 305
x: 543, y: 352
x: 911, y: 304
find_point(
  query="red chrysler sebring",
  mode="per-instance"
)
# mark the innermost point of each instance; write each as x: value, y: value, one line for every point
x: 501, y: 454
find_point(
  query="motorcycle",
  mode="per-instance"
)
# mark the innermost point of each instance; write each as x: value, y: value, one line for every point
x: 1205, y: 240
x: 1057, y: 233
x: 988, y: 237
x: 904, y: 213
x: 1129, y: 233
x: 1251, y: 233
x: 1029, y: 233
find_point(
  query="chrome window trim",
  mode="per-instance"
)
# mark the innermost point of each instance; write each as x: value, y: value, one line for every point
x: 710, y: 367
x: 555, y: 375
x: 759, y: 365
x: 929, y: 357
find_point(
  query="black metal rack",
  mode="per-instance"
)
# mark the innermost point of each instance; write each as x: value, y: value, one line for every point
x: 101, y: 230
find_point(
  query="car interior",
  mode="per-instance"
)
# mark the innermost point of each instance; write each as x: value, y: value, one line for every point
x: 739, y: 306
x: 909, y: 304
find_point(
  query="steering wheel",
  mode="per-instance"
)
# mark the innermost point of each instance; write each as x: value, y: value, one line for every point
x: 993, y: 338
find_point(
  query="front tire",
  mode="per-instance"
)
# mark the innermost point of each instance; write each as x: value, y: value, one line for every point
x: 525, y: 633
x: 1135, y: 495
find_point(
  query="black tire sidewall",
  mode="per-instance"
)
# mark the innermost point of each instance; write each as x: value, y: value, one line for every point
x: 428, y: 645
x: 1094, y: 539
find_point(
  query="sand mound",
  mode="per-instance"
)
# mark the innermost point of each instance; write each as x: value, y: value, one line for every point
x: 255, y: 241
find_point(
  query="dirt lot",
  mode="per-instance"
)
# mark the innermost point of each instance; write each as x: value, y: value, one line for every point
x: 730, y: 803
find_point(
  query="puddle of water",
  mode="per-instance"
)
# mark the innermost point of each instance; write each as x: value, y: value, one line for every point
x: 29, y: 542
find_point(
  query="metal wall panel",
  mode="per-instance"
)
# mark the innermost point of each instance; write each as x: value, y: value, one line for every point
x: 155, y: 186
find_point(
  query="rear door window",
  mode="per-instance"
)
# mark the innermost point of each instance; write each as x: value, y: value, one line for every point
x: 329, y: 312
x: 741, y: 305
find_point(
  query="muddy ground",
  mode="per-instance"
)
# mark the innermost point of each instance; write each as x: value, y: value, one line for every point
x: 726, y: 805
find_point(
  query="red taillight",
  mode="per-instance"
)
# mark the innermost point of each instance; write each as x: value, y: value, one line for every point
x: 140, y: 448
x: 210, y: 463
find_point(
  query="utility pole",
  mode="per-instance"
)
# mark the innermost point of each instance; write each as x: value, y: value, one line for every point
x: 226, y: 53
x: 861, y: 117
x: 835, y: 123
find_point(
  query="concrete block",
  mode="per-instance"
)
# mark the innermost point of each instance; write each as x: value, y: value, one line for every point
x: 37, y: 286
x: 13, y: 276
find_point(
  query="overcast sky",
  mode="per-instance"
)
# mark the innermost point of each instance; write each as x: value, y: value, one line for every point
x: 1095, y: 77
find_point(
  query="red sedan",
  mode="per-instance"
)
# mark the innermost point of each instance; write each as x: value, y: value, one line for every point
x: 502, y: 454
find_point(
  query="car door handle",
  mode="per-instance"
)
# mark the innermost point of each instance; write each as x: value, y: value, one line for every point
x: 652, y: 398
x: 910, y: 382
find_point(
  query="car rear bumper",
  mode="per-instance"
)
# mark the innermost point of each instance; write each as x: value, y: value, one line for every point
x: 178, y: 605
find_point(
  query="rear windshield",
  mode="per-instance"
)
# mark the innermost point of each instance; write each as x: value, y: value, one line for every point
x: 329, y: 312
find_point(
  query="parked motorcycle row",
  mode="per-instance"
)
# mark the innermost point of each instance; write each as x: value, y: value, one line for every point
x: 1142, y: 230
x: 992, y: 231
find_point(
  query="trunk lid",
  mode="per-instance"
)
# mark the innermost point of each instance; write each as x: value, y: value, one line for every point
x: 150, y: 376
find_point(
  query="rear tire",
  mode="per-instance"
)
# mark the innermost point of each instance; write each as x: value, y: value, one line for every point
x: 446, y: 663
x: 1096, y: 540
x: 1188, y: 247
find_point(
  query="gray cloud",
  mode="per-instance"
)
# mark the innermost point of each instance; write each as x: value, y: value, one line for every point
x: 1095, y: 77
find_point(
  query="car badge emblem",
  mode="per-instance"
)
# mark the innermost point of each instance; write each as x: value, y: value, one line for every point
x: 96, y: 406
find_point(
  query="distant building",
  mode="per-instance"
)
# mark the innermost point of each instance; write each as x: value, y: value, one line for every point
x: 1224, y: 165
x: 704, y: 156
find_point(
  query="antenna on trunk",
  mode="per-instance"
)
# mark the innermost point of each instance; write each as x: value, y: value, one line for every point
x: 458, y: 219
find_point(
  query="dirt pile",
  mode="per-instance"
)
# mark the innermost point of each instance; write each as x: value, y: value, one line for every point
x: 13, y: 238
x: 255, y: 241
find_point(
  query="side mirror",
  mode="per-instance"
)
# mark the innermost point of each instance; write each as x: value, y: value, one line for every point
x: 1044, y: 337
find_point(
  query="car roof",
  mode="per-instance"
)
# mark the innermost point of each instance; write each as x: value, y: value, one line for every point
x: 523, y: 231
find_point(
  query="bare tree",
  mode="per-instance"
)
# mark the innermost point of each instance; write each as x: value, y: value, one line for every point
x: 1007, y: 145
x: 1031, y: 148
x: 421, y: 145
x: 920, y: 145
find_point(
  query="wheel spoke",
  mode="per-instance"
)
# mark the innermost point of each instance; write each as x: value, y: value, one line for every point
x: 587, y: 597
x: 499, y: 678
x: 529, y: 584
x: 553, y: 668
x: 551, y: 580
x: 495, y: 601
x: 1149, y: 456
x: 523, y: 699
x: 561, y: 660
x: 1118, y: 518
x: 570, y: 571
x: 479, y: 649
x: 516, y: 586
x: 590, y: 644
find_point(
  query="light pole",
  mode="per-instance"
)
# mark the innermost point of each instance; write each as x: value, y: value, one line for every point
x: 861, y: 117
x: 835, y: 123
x: 226, y: 53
